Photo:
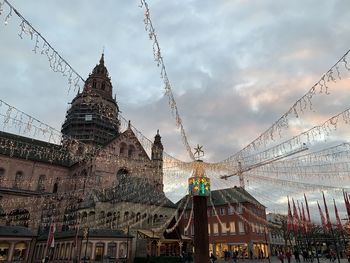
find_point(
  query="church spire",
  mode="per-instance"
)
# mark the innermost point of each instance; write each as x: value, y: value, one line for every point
x: 102, y: 59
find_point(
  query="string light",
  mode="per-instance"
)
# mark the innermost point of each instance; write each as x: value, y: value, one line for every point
x: 56, y: 61
x: 298, y: 108
x: 164, y: 75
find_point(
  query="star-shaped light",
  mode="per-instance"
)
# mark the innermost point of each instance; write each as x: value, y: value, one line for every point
x: 198, y: 151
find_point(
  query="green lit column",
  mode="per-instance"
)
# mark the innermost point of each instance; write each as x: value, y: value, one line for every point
x: 199, y: 189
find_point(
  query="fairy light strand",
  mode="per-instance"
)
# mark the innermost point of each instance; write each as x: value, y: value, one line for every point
x: 164, y: 75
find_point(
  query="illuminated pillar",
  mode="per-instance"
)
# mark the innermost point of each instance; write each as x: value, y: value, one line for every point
x: 199, y: 189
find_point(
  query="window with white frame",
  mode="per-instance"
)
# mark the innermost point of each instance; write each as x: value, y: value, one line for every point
x: 241, y: 227
x: 215, y: 229
x: 232, y: 228
x: 222, y: 211
x: 224, y: 228
x: 230, y: 210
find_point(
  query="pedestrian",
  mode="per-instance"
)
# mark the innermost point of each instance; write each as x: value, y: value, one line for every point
x: 305, y: 255
x: 281, y: 257
x: 213, y: 258
x: 234, y: 256
x: 225, y: 255
x: 288, y: 255
x: 296, y: 255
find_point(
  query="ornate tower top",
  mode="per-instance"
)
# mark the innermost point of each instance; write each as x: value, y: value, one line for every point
x: 157, y: 148
x: 93, y: 116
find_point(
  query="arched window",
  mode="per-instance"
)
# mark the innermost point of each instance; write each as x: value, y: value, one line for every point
x: 20, y: 251
x: 41, y: 183
x: 55, y: 188
x: 109, y: 218
x: 114, y: 219
x: 155, y: 218
x: 4, y: 250
x: 2, y: 175
x: 126, y: 216
x: 102, y: 215
x: 84, y: 218
x: 103, y: 86
x: 92, y: 216
x: 18, y: 180
x: 138, y: 217
x: 94, y: 84
x: 118, y: 218
x: 131, y: 151
x: 122, y: 149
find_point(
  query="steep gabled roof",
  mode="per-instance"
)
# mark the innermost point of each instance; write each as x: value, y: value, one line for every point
x: 128, y: 133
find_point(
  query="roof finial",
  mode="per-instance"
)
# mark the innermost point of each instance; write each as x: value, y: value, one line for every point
x: 102, y: 60
x: 129, y: 125
x: 158, y: 132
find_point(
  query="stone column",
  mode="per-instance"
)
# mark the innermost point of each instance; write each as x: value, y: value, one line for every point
x: 105, y: 249
x: 27, y: 251
x: 93, y: 250
x: 117, y: 253
x: 11, y: 251
x: 159, y: 243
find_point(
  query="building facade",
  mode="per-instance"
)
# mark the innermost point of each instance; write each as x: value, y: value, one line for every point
x: 278, y: 233
x: 99, y: 178
x: 236, y: 223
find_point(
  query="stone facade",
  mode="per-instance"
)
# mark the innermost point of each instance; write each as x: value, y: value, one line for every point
x: 118, y: 187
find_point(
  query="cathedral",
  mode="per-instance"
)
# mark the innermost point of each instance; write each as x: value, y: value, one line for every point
x: 98, y: 191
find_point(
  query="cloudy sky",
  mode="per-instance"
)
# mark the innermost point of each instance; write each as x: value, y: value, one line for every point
x: 235, y: 66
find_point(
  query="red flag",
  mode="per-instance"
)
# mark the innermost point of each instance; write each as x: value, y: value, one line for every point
x: 307, y: 209
x: 347, y: 204
x: 295, y: 217
x: 339, y: 225
x: 301, y: 221
x: 329, y: 224
x: 323, y: 220
x: 51, y: 237
x: 290, y: 219
x: 305, y: 223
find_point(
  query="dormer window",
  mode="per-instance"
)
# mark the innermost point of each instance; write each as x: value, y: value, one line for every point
x: 103, y: 86
x: 94, y: 84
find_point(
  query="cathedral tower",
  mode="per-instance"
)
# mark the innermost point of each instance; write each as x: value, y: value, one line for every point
x: 157, y: 159
x: 93, y: 115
